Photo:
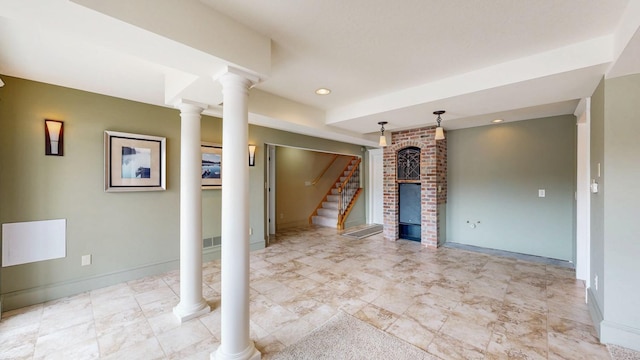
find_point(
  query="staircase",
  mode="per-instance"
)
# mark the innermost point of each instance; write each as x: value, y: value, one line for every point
x: 337, y: 203
x: 328, y: 212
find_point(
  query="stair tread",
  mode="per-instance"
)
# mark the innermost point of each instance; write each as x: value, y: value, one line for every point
x: 325, y: 221
x: 330, y: 204
x: 333, y: 213
x: 328, y: 213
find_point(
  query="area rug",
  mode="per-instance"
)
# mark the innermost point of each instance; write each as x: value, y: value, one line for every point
x: 344, y: 337
x: 364, y: 232
x: 620, y: 353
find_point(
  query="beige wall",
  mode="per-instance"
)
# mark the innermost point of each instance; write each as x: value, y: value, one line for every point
x: 129, y: 234
x: 295, y: 168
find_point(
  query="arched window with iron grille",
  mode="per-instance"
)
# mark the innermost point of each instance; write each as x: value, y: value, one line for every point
x: 409, y: 194
x: 409, y: 164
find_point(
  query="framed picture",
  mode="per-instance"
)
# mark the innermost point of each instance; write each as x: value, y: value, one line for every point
x: 134, y: 162
x: 211, y: 165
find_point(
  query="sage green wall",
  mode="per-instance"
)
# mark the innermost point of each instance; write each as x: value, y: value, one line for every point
x: 129, y: 234
x: 597, y: 200
x: 621, y: 208
x: 295, y: 200
x: 122, y: 231
x: 494, y: 173
x: 211, y: 131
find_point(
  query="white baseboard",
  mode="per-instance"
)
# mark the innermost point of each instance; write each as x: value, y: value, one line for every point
x: 619, y: 334
x: 594, y: 310
x: 611, y: 332
x: 257, y: 245
x: 37, y: 295
x: 40, y: 294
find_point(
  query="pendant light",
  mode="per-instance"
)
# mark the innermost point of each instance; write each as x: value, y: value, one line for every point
x: 439, y: 129
x: 383, y: 139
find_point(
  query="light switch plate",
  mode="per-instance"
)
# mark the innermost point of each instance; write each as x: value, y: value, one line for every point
x: 86, y: 260
x: 541, y: 193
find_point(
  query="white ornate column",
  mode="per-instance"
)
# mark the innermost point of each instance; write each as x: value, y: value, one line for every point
x: 191, y: 304
x: 235, y: 342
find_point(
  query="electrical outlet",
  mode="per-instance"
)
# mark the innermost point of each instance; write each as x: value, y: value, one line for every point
x: 250, y: 231
x: 595, y: 282
x: 473, y: 224
x: 86, y: 260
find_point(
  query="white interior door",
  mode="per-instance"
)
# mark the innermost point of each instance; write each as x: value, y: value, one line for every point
x: 271, y: 188
x: 375, y: 187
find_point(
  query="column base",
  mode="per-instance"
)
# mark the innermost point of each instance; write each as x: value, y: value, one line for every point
x: 250, y: 353
x: 185, y: 315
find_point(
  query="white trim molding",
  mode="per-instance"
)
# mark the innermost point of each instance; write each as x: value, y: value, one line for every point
x: 611, y: 332
x: 618, y: 334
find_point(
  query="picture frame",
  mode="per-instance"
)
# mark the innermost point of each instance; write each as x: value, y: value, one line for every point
x: 211, y: 165
x: 134, y: 162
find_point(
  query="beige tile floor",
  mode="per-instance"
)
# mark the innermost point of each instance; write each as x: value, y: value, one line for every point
x: 453, y: 303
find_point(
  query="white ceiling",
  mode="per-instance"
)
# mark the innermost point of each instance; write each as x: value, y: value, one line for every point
x: 383, y: 60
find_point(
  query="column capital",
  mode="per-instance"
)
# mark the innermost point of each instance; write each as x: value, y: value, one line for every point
x: 231, y: 72
x: 188, y: 106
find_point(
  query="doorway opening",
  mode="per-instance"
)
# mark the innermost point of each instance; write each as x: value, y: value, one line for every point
x: 297, y: 179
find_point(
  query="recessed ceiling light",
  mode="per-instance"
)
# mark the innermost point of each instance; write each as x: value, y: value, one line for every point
x: 323, y: 91
x: 497, y: 121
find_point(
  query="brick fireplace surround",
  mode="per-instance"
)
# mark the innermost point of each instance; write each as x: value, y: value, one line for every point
x: 433, y: 183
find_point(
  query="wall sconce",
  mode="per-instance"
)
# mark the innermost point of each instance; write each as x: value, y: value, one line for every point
x: 439, y: 130
x: 383, y: 139
x: 53, y: 131
x: 252, y: 155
